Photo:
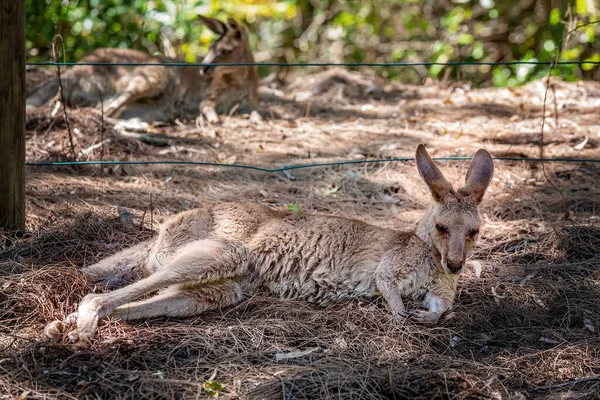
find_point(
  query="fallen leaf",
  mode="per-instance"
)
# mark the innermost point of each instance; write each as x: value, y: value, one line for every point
x: 160, y: 374
x: 581, y: 145
x: 454, y: 341
x: 587, y: 322
x: 525, y: 280
x: 477, y: 267
x: 289, y: 175
x: 55, y: 109
x: 334, y: 188
x: 538, y: 301
x: 496, y: 295
x: 295, y: 354
x: 549, y: 341
x: 341, y: 343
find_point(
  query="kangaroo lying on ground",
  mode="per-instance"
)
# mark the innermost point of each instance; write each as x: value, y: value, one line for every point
x: 160, y: 93
x: 215, y: 256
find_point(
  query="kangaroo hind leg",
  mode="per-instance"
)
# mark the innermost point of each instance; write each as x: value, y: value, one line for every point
x: 200, y: 262
x: 179, y: 302
x: 140, y: 87
x: 121, y: 268
x: 115, y: 271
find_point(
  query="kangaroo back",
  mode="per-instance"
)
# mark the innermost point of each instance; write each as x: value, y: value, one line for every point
x: 160, y: 92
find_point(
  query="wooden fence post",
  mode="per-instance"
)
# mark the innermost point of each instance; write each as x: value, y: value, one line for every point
x: 12, y: 114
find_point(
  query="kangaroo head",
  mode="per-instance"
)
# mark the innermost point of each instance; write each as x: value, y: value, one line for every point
x: 452, y: 223
x: 232, y: 46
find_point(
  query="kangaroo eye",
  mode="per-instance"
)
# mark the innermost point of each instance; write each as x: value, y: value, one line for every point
x: 441, y: 228
x: 225, y: 52
x: 473, y: 232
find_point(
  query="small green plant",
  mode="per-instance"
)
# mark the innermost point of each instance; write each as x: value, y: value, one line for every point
x: 213, y: 388
x: 295, y: 208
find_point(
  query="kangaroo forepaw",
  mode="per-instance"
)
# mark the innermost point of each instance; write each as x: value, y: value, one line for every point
x: 424, y: 317
x: 211, y: 115
x: 80, y: 338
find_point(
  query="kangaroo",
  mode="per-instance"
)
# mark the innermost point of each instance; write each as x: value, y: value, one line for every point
x: 217, y: 255
x: 160, y: 93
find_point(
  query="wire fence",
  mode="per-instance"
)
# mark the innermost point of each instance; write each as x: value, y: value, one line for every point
x: 301, y: 166
x: 354, y: 65
x: 550, y: 64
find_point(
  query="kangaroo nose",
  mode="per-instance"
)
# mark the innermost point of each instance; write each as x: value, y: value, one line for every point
x: 454, y: 266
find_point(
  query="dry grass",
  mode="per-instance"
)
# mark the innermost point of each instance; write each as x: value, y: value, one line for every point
x: 522, y: 329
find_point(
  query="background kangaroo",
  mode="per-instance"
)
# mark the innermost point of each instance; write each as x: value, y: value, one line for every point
x: 159, y: 93
x: 215, y: 256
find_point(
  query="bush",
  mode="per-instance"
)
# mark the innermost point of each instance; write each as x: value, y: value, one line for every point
x: 339, y: 31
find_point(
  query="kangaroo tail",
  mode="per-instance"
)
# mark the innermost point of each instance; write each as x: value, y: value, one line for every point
x: 121, y: 268
x: 42, y: 94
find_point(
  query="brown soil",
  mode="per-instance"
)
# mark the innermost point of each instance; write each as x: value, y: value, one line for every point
x: 526, y: 327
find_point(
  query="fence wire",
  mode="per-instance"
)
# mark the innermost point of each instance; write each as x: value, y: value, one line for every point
x: 326, y: 64
x: 300, y: 166
x: 275, y: 64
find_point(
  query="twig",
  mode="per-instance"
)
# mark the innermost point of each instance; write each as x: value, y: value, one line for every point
x: 95, y: 146
x: 307, y: 112
x: 142, y: 222
x: 233, y: 109
x: 568, y: 383
x: 101, y: 126
x: 542, y: 139
x: 151, y: 214
x: 555, y: 106
x: 56, y: 38
x: 152, y: 208
x: 553, y: 61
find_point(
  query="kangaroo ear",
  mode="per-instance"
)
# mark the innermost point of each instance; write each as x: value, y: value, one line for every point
x: 431, y: 175
x: 214, y: 25
x: 232, y: 23
x: 479, y: 176
x: 235, y: 27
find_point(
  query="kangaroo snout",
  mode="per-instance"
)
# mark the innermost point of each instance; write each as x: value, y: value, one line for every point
x: 209, y: 58
x: 454, y: 265
x: 455, y: 256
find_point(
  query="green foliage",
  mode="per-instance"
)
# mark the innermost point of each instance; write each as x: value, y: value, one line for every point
x: 339, y: 31
x: 213, y: 388
x: 295, y: 208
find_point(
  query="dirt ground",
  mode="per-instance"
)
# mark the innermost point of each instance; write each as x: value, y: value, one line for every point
x: 525, y: 324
